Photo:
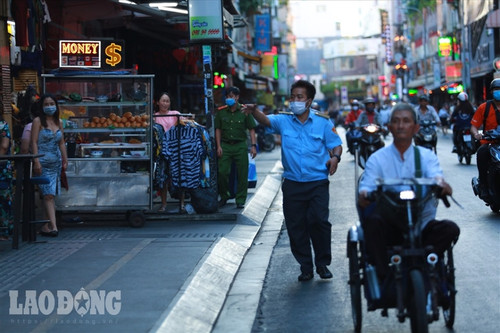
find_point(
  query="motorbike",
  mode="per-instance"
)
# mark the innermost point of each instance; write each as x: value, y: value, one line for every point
x: 427, y: 135
x: 465, y: 147
x: 419, y: 281
x: 493, y: 182
x: 265, y: 139
x: 366, y: 140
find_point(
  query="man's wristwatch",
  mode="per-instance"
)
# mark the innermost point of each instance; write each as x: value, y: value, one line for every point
x: 337, y: 156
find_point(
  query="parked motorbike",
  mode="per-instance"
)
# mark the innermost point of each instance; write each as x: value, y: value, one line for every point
x: 427, y: 135
x: 265, y: 139
x: 493, y: 182
x: 419, y: 282
x: 465, y: 146
x: 366, y: 141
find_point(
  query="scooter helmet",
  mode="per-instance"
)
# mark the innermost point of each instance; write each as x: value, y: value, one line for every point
x: 369, y: 100
x: 463, y: 97
x: 355, y: 102
x: 495, y: 84
x: 424, y: 97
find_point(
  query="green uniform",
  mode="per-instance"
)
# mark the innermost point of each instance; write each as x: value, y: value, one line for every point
x: 233, y: 126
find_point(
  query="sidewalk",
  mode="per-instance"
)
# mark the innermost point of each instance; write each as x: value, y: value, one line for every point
x: 169, y: 276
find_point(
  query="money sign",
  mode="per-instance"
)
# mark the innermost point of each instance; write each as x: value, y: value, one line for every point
x: 114, y: 57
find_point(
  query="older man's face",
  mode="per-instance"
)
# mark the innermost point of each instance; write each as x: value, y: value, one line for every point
x: 403, y: 125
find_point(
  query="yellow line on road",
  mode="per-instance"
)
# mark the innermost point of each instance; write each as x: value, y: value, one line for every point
x: 94, y: 284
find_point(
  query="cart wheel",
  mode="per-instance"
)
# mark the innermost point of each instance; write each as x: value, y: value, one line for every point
x: 136, y: 219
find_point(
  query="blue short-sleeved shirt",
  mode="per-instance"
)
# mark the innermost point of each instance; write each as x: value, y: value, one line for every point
x: 304, y: 146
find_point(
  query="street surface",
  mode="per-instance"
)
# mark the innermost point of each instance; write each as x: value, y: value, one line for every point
x: 287, y: 305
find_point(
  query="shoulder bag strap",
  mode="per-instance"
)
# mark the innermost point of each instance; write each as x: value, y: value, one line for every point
x: 418, y: 169
x: 486, y: 112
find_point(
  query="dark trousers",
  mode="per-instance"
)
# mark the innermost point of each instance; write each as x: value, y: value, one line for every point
x: 305, y: 206
x: 380, y: 234
x: 483, y: 161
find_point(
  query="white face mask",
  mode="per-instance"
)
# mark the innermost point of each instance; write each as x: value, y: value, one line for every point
x: 298, y: 108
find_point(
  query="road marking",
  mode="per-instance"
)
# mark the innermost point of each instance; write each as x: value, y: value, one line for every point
x: 94, y: 284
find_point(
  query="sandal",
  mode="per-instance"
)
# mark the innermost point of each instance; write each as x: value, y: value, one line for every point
x: 162, y: 209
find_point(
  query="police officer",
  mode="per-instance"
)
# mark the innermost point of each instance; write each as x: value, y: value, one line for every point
x: 231, y: 126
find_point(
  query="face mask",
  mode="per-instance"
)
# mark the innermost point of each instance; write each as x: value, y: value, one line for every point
x: 355, y: 108
x: 298, y: 108
x: 230, y: 101
x: 370, y: 109
x: 496, y: 95
x: 49, y: 110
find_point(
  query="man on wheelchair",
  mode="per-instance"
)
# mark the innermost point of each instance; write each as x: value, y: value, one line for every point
x: 400, y: 160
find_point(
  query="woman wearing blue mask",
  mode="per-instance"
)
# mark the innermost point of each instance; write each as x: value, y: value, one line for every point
x: 47, y: 138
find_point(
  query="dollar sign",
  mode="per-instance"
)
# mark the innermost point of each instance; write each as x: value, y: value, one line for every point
x: 114, y: 57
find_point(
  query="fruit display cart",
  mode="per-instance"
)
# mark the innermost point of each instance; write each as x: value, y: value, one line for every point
x: 108, y: 132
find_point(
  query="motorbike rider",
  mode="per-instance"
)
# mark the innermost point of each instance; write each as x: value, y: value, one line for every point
x: 369, y: 116
x: 488, y: 116
x: 350, y: 120
x: 426, y: 111
x: 461, y: 117
x: 354, y: 113
x: 398, y: 161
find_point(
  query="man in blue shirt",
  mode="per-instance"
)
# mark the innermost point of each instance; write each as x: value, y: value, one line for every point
x: 310, y: 151
x: 398, y: 161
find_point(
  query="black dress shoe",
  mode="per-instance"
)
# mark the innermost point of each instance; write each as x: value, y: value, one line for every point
x: 54, y: 233
x: 305, y: 276
x: 323, y: 272
x: 222, y: 203
x: 240, y: 205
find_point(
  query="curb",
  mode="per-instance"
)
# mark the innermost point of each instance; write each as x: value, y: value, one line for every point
x: 201, y: 298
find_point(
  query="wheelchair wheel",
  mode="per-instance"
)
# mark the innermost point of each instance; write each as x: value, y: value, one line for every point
x: 449, y: 306
x: 417, y: 305
x: 354, y: 284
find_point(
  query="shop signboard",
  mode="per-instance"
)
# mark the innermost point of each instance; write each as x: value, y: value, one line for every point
x: 453, y: 70
x: 262, y: 33
x: 445, y: 46
x: 91, y: 54
x: 205, y: 21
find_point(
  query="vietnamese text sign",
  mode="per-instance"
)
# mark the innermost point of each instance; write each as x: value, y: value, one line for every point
x: 262, y: 33
x: 205, y: 20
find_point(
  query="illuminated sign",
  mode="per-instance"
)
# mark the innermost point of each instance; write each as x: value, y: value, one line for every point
x: 73, y: 53
x: 205, y: 20
x: 91, y: 54
x: 219, y: 80
x: 445, y: 46
x: 453, y: 70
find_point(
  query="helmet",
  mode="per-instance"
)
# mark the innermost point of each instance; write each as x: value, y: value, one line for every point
x: 423, y: 97
x: 369, y: 100
x: 355, y: 102
x: 463, y: 96
x: 495, y: 84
